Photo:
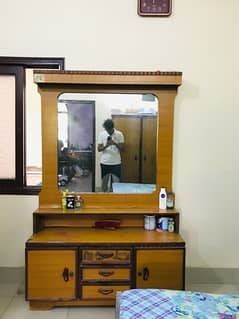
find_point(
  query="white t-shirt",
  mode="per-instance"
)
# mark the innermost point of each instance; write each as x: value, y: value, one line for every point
x: 111, y: 155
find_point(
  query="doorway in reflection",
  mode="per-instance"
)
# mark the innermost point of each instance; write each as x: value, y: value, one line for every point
x: 76, y: 136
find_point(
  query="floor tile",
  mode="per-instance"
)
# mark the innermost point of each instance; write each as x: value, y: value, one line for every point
x: 19, y: 309
x: 14, y: 306
x: 91, y: 313
x: 4, y: 303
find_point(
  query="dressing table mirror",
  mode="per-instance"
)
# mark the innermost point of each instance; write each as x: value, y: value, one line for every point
x: 63, y: 92
x: 80, y: 119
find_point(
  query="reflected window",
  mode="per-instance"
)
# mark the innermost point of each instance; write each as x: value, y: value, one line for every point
x: 63, y: 123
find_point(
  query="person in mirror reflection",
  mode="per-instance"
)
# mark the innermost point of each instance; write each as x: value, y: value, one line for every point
x: 67, y: 164
x: 110, y: 144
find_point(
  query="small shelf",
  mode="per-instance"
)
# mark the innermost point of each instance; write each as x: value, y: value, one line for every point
x: 86, y: 218
x: 171, y: 214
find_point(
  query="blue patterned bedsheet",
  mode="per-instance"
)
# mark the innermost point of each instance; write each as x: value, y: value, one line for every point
x: 171, y: 304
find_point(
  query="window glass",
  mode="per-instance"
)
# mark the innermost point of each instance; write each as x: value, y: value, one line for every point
x: 62, y: 123
x: 7, y: 127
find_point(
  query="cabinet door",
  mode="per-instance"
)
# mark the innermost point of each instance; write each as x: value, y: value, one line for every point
x: 149, y: 143
x: 51, y: 274
x: 130, y: 127
x: 160, y: 269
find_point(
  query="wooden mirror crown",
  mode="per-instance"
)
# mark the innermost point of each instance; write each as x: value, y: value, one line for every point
x: 51, y: 84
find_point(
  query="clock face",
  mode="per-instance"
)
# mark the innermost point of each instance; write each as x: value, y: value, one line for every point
x: 154, y: 7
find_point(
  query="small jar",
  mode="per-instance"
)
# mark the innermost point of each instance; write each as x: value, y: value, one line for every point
x: 170, y: 201
x: 70, y: 201
x: 163, y: 223
x: 149, y: 222
x: 78, y: 201
x: 171, y: 225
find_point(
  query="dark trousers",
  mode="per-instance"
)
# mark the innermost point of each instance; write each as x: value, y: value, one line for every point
x: 109, y: 174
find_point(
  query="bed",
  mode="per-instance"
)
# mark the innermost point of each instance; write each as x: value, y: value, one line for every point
x: 173, y: 304
x: 133, y: 187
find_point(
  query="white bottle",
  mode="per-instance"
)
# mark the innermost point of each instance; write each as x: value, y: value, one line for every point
x: 163, y: 198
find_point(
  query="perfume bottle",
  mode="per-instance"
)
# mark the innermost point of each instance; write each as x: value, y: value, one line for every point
x: 78, y: 201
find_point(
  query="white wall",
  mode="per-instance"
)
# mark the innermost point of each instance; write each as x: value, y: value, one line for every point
x: 201, y: 40
x: 15, y: 228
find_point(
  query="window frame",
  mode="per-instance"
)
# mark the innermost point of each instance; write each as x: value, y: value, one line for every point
x: 16, y: 66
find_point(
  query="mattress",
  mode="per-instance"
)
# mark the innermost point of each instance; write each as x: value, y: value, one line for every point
x: 133, y: 187
x: 169, y: 304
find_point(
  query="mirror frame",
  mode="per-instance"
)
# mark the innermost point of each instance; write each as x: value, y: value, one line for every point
x: 51, y: 84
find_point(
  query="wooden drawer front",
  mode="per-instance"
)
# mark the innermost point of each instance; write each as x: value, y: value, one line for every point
x: 106, y: 274
x: 105, y: 256
x: 101, y: 292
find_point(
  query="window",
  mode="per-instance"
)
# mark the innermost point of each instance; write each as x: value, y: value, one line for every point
x: 7, y: 127
x: 20, y: 134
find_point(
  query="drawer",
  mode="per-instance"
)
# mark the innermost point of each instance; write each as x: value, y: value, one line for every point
x: 90, y: 256
x: 105, y: 274
x: 101, y: 292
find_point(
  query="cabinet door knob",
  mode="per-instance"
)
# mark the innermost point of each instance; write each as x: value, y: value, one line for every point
x: 65, y: 274
x: 145, y: 273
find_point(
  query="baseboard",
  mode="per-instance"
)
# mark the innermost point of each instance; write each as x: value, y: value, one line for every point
x: 12, y: 275
x: 193, y: 275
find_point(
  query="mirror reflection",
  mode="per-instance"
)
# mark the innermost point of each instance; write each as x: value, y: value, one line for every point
x: 107, y: 142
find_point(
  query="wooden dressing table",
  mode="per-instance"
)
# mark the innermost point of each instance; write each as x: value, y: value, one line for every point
x: 69, y: 261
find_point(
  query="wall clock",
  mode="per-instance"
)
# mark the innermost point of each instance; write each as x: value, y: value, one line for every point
x: 154, y: 7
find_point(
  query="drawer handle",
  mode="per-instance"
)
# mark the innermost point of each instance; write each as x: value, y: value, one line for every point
x: 104, y: 255
x: 122, y: 256
x: 106, y: 273
x: 105, y: 291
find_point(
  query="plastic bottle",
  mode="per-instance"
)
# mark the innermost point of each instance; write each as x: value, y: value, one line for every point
x: 163, y: 198
x: 63, y: 200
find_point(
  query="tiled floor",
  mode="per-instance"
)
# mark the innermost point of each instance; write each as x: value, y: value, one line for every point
x: 14, y: 306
